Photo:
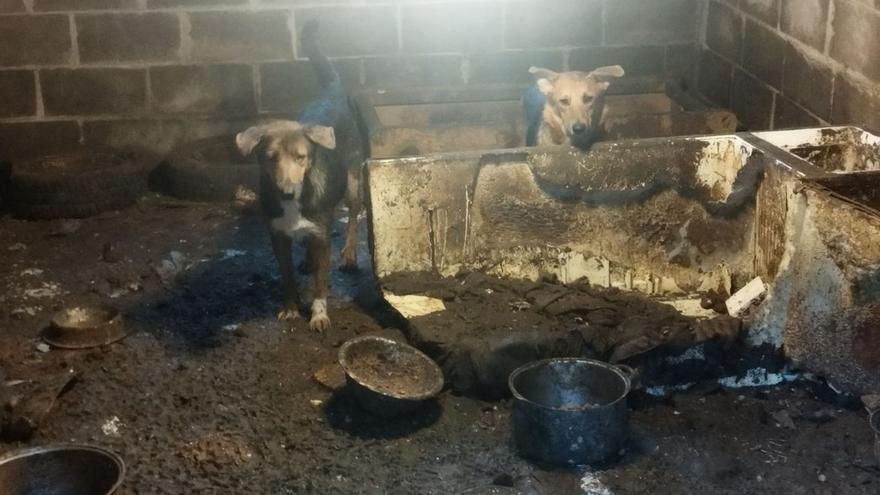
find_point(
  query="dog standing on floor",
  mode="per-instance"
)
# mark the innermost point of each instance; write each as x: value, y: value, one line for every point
x: 306, y: 168
x: 567, y: 107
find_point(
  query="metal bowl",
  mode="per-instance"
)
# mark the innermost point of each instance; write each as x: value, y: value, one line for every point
x: 387, y: 377
x: 61, y: 470
x: 81, y: 327
x: 570, y: 411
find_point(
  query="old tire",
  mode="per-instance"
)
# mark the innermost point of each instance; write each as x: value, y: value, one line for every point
x: 78, y: 184
x: 209, y: 170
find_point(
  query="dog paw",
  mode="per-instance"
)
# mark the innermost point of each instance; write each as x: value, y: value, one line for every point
x: 288, y: 314
x: 320, y: 323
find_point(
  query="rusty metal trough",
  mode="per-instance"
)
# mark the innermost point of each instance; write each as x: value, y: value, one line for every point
x: 666, y: 217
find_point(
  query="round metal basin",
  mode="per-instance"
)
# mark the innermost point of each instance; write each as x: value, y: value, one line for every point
x: 569, y: 411
x: 61, y: 470
x: 81, y: 327
x: 389, y: 378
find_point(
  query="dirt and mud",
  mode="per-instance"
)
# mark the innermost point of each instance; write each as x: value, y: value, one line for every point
x: 210, y: 394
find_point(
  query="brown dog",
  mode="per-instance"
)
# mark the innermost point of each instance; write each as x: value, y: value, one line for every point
x: 307, y: 167
x: 567, y: 107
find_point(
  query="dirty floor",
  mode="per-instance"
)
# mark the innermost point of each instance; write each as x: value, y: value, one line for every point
x: 211, y: 394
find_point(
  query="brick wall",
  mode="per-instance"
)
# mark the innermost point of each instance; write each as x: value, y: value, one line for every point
x: 90, y: 72
x: 791, y: 63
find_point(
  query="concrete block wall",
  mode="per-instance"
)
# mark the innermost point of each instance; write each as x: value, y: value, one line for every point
x: 90, y: 72
x: 793, y: 63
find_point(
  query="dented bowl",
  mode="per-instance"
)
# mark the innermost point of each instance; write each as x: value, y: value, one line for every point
x: 387, y: 377
x: 84, y: 326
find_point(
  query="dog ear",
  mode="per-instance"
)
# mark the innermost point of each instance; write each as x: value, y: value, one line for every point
x: 249, y: 139
x: 607, y: 72
x: 322, y: 136
x: 545, y: 77
x: 541, y: 73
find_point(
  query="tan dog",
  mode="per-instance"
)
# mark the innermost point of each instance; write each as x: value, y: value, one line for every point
x: 567, y: 107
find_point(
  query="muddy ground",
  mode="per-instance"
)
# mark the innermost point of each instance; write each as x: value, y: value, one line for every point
x: 211, y: 394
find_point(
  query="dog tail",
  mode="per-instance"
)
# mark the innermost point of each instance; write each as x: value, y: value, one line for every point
x: 324, y: 70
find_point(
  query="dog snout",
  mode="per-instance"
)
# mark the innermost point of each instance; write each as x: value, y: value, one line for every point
x: 579, y: 128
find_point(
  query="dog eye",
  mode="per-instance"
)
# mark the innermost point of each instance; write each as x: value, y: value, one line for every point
x: 588, y: 99
x: 565, y: 101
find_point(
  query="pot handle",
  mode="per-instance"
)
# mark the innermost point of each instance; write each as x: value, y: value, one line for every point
x: 630, y: 372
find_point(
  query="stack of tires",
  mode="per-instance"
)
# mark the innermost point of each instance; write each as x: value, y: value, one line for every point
x: 77, y: 184
x: 210, y: 170
x: 84, y: 183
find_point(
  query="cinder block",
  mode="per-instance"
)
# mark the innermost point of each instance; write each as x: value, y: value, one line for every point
x: 751, y: 101
x: 765, y: 10
x: 856, y: 105
x: 806, y: 20
x: 635, y: 60
x: 159, y: 135
x: 789, y: 115
x: 93, y: 91
x: 452, y: 27
x: 763, y: 53
x: 808, y: 82
x: 165, y: 4
x: 239, y: 36
x: 18, y: 93
x: 724, y: 30
x: 128, y: 37
x: 856, y: 39
x: 715, y: 78
x: 511, y: 67
x: 289, y: 86
x: 72, y: 5
x: 205, y: 89
x: 354, y: 30
x: 34, y: 40
x: 11, y: 6
x: 22, y: 140
x: 413, y: 70
x: 650, y: 21
x: 553, y: 23
x: 682, y: 62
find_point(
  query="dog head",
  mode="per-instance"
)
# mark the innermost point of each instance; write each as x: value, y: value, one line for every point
x: 576, y: 99
x: 286, y: 151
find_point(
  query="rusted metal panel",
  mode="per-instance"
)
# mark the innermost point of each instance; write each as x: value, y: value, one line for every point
x: 832, y: 327
x: 832, y: 149
x: 654, y: 215
x: 770, y: 222
x: 660, y: 216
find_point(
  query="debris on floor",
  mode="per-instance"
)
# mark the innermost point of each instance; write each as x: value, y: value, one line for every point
x: 752, y: 293
x: 169, y: 267
x: 45, y: 291
x: 411, y: 306
x: 111, y: 427
x: 65, y: 227
x: 331, y: 376
x: 24, y: 404
x: 491, y: 326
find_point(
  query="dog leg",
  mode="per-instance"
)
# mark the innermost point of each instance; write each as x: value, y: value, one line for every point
x: 282, y: 246
x: 319, y: 257
x: 355, y: 203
